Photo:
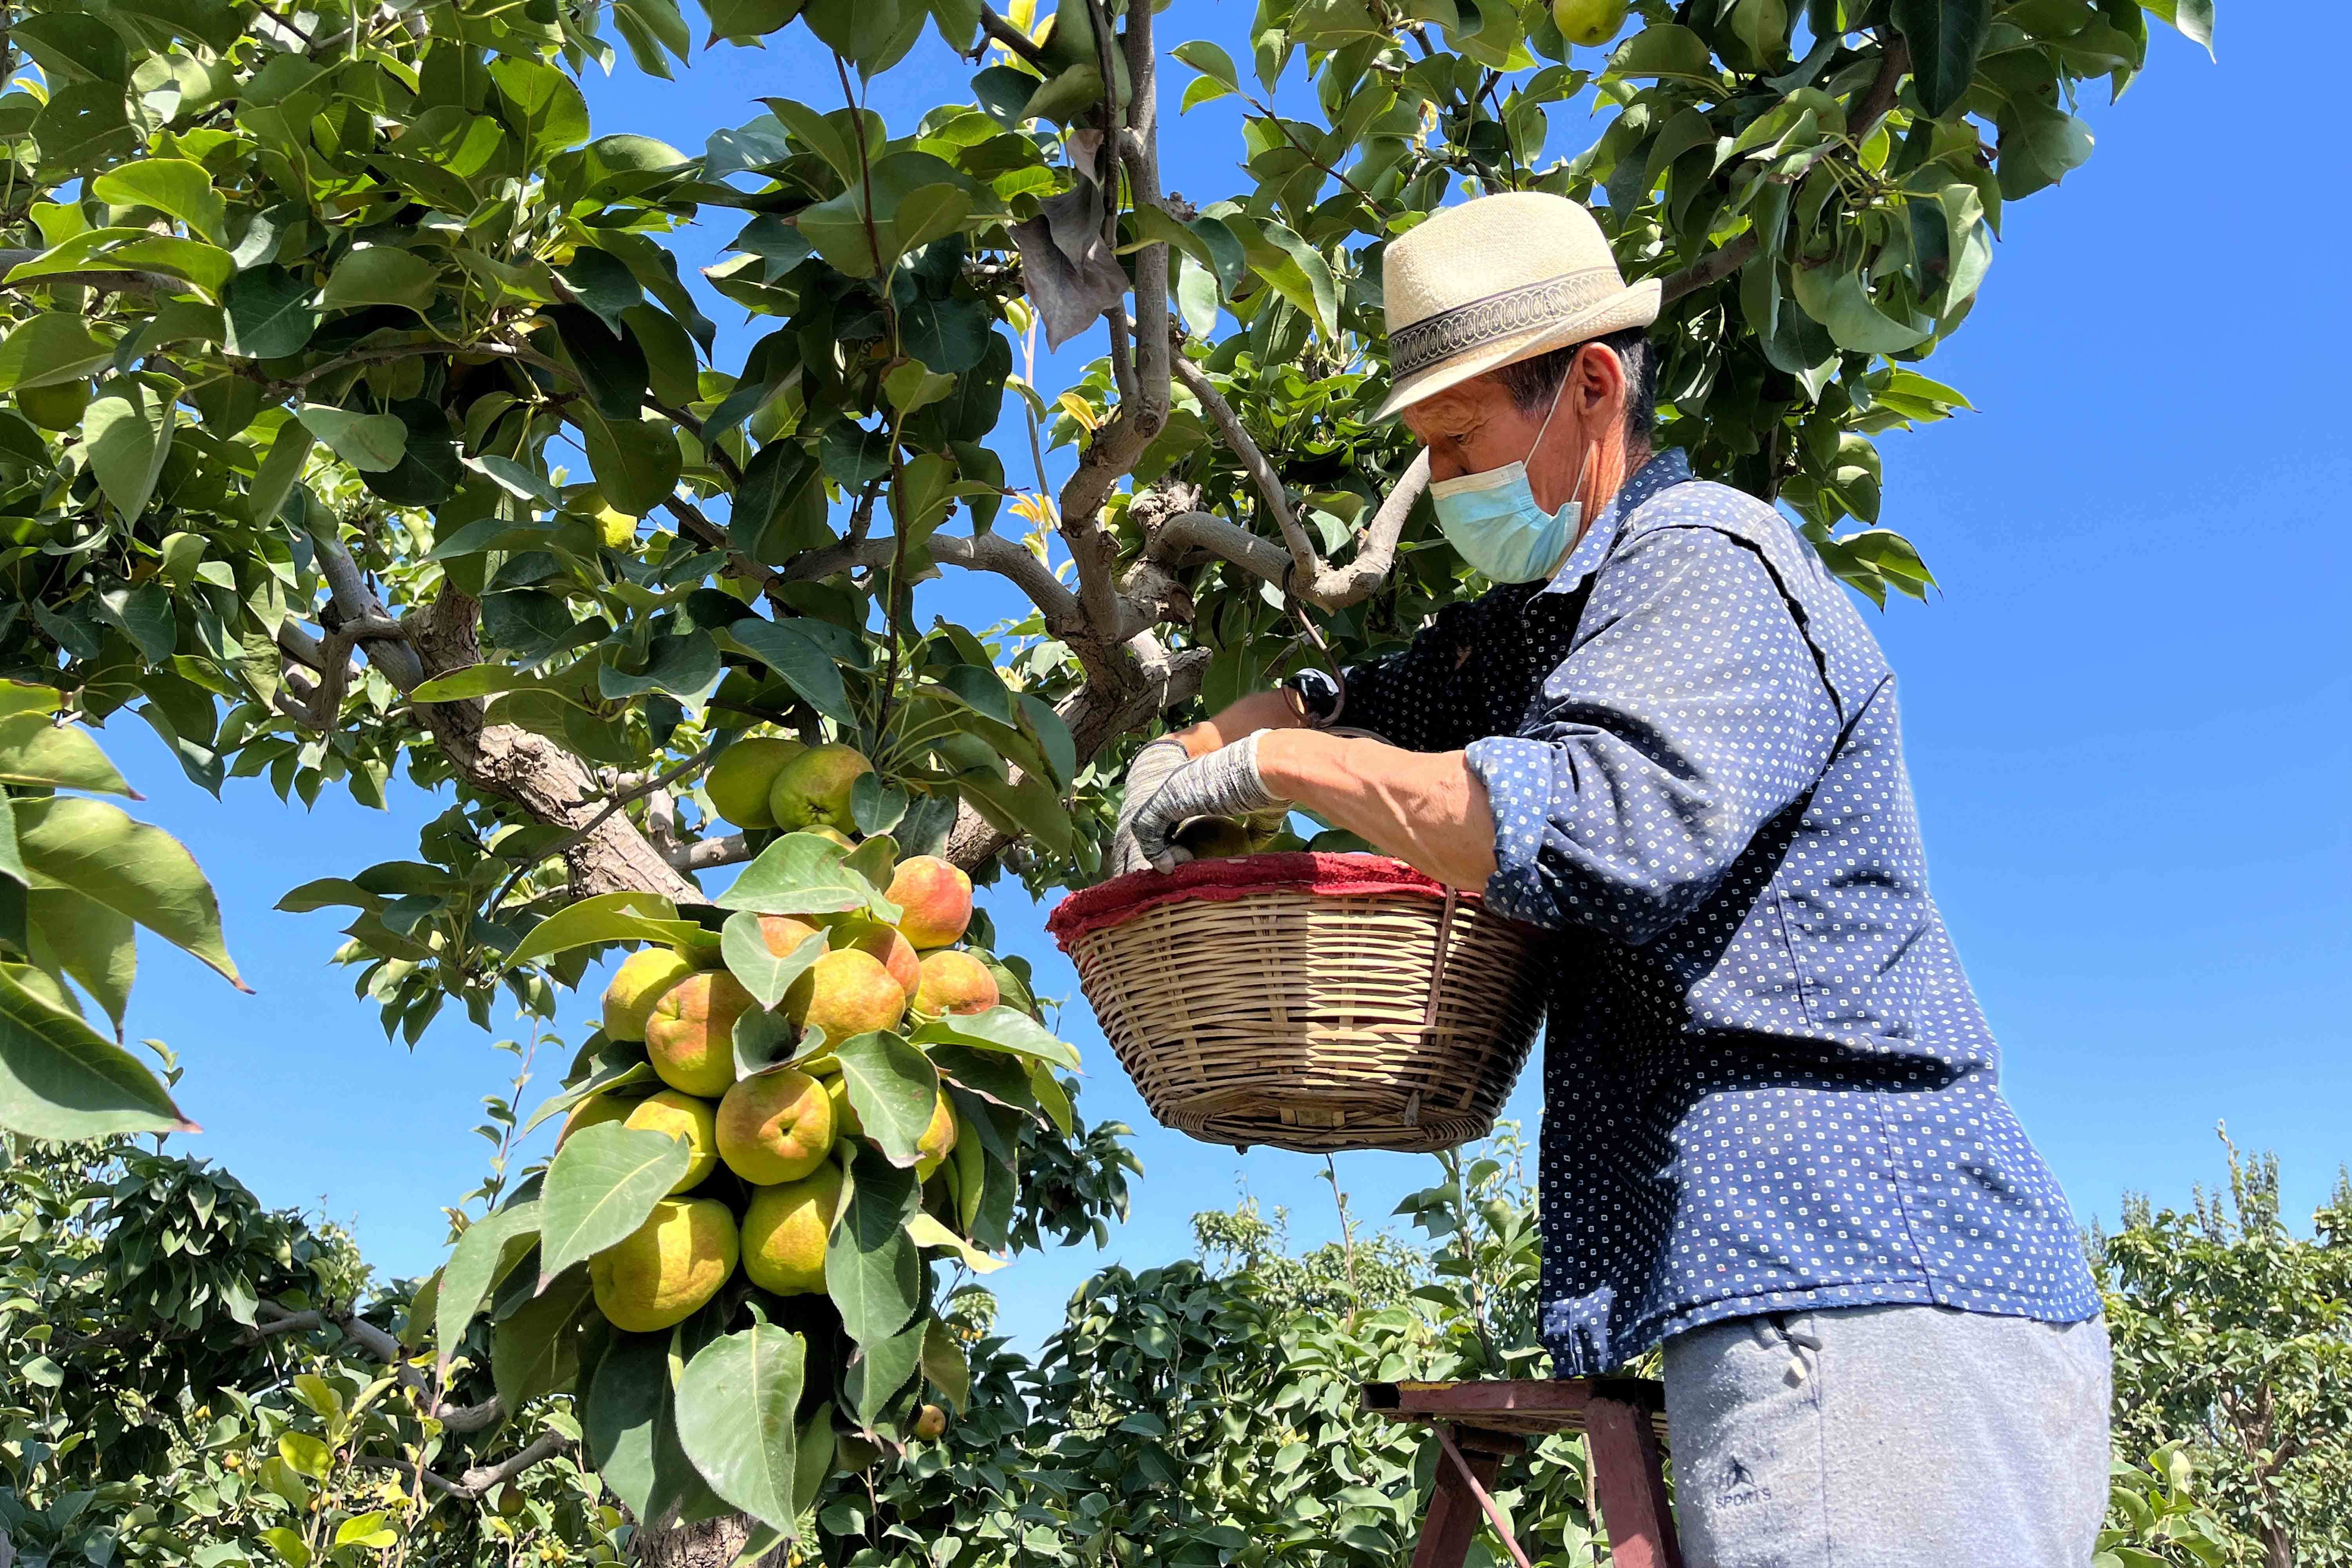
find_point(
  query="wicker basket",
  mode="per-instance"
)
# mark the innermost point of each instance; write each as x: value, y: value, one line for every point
x: 1300, y: 1000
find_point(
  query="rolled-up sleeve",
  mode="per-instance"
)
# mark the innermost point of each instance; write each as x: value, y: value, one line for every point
x: 1692, y: 716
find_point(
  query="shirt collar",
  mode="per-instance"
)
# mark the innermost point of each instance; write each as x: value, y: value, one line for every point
x: 1668, y: 467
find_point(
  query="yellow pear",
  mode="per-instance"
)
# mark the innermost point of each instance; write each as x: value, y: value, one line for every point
x: 785, y: 1232
x: 775, y: 1127
x: 939, y: 1140
x: 740, y: 780
x: 688, y: 1119
x: 637, y: 986
x: 1592, y: 23
x: 661, y: 1273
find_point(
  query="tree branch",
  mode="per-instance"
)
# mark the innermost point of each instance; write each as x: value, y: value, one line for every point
x: 1329, y: 587
x: 105, y: 280
x: 1877, y: 100
x: 708, y: 854
x: 1014, y: 40
x: 356, y: 602
x: 1253, y: 459
x: 994, y: 552
x: 1138, y: 146
x: 472, y: 1485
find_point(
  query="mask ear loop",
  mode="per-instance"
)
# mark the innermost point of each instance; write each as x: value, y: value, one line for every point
x: 1584, y: 465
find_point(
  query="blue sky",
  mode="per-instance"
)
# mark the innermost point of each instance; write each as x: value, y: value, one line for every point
x: 2128, y: 716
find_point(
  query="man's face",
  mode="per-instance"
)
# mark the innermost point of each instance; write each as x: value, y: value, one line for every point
x: 1475, y: 427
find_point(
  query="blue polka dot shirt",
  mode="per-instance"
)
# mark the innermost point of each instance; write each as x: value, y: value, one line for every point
x: 1768, y: 1086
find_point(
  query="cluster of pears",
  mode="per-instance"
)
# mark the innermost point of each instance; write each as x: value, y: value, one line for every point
x: 768, y: 781
x: 782, y: 1130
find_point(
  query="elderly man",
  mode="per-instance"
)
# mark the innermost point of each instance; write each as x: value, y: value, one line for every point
x: 1773, y: 1134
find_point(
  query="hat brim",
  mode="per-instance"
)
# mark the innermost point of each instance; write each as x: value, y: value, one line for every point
x: 1634, y: 306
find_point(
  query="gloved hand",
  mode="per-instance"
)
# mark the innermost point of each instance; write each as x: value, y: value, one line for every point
x: 1225, y: 783
x: 1154, y: 765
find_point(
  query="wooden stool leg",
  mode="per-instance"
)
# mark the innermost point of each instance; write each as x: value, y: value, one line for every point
x: 1453, y: 1514
x: 1629, y: 1480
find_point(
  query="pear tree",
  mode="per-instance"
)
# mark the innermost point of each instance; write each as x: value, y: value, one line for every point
x: 361, y: 421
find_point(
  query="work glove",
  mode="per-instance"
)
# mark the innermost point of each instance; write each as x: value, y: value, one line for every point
x: 1225, y: 783
x: 1154, y: 765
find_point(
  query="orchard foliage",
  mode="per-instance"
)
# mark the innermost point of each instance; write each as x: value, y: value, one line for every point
x: 362, y: 424
x: 78, y: 879
x: 2234, y: 1334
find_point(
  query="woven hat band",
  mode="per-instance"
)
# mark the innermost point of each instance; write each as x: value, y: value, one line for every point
x: 1465, y: 329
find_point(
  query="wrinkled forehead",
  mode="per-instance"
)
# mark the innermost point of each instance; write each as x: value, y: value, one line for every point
x: 1458, y: 408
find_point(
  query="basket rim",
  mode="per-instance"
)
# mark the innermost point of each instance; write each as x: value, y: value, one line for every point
x: 1322, y: 875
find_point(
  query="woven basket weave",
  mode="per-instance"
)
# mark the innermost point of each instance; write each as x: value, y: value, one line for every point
x: 1286, y: 1000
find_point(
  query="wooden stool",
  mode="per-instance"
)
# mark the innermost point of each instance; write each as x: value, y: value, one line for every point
x: 1478, y: 1425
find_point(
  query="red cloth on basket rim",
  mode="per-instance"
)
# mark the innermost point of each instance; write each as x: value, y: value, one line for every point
x: 1336, y: 875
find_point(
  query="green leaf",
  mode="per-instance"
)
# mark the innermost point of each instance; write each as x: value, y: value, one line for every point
x: 763, y: 974
x: 627, y: 1405
x: 980, y: 690
x: 802, y: 874
x: 270, y: 314
x: 536, y: 1348
x: 35, y: 749
x: 893, y: 1088
x: 601, y: 1187
x: 1210, y: 61
x: 96, y: 945
x: 911, y: 386
x: 548, y: 107
x: 280, y: 471
x: 915, y: 198
x: 1662, y: 49
x: 140, y: 871
x: 1053, y: 736
x: 373, y: 443
x: 2193, y: 18
x: 636, y: 461
x: 48, y: 350
x: 944, y: 1364
x: 127, y: 432
x: 382, y: 275
x: 606, y: 918
x: 61, y: 1079
x: 1945, y: 37
x: 490, y: 1246
x: 306, y: 1455
x: 800, y: 661
x: 171, y: 185
x: 998, y: 1030
x: 883, y: 1367
x: 924, y: 1230
x: 872, y: 1271
x: 1029, y: 807
x: 84, y: 123
x: 366, y: 1529
x: 736, y: 1408
x: 1841, y: 302
x: 747, y: 21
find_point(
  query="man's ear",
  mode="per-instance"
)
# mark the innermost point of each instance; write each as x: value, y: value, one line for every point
x: 1596, y: 380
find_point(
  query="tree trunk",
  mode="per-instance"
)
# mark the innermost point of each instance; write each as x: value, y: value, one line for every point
x: 2277, y: 1552
x: 532, y: 771
x: 711, y: 1543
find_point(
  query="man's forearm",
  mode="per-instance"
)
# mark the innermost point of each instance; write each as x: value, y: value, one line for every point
x: 1427, y: 808
x: 1258, y: 710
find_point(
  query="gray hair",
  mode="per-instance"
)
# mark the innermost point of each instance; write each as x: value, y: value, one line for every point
x: 1533, y: 382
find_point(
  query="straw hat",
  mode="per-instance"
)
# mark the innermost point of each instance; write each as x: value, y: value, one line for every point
x: 1497, y: 280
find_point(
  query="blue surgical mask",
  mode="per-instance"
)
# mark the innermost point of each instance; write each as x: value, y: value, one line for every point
x: 1493, y: 521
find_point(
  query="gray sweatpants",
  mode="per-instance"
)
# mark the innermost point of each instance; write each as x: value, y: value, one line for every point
x: 1894, y: 1436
